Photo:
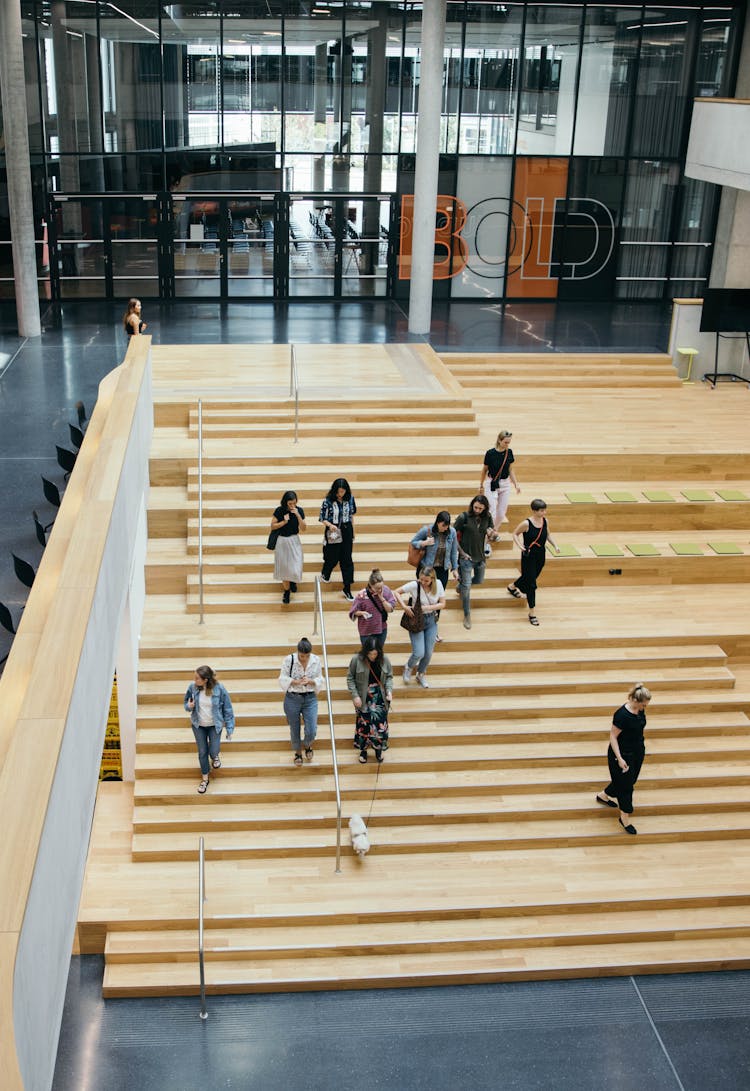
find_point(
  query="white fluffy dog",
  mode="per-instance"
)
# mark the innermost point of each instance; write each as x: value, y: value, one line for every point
x: 358, y: 833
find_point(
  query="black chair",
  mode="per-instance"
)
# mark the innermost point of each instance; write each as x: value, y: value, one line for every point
x: 51, y: 495
x: 66, y: 460
x: 24, y: 571
x: 6, y: 620
x: 81, y: 411
x: 76, y: 436
x: 41, y: 531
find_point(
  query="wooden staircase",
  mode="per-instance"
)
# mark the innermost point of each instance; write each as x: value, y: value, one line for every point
x: 490, y: 858
x: 477, y: 370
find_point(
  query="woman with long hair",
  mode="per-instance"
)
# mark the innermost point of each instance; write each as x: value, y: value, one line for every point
x: 425, y: 595
x: 370, y: 683
x: 497, y: 477
x: 131, y: 320
x: 210, y: 709
x: 336, y: 515
x: 287, y: 521
x: 625, y: 754
x: 371, y: 607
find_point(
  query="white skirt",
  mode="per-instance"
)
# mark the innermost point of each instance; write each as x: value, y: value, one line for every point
x: 287, y: 559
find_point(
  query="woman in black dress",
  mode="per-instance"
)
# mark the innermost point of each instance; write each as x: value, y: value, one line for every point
x: 531, y: 537
x: 625, y: 754
x: 132, y: 320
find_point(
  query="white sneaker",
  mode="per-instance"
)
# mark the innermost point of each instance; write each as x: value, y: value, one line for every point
x: 325, y: 579
x: 488, y: 551
x: 407, y: 675
x: 422, y: 679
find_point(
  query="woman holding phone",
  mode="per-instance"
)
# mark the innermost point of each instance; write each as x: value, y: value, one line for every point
x: 371, y: 607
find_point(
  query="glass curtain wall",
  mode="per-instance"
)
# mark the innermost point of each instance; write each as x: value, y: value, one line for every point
x: 563, y: 136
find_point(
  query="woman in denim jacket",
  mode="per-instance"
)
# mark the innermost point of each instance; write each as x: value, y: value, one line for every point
x: 440, y: 545
x: 210, y: 709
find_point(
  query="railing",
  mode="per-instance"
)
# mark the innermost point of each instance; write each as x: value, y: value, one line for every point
x: 319, y: 614
x: 201, y: 900
x: 294, y: 389
x: 200, y: 508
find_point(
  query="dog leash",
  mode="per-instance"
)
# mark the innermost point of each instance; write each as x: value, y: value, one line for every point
x: 374, y: 790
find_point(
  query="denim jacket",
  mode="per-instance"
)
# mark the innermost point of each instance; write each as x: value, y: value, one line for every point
x: 221, y: 704
x: 451, y: 547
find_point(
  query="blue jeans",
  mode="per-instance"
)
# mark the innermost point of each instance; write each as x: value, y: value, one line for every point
x: 470, y: 572
x: 422, y: 646
x: 208, y: 741
x: 306, y: 706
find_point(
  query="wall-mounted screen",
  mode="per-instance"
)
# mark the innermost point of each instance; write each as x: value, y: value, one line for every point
x: 726, y: 310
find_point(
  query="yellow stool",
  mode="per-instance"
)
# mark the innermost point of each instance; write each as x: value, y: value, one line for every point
x: 689, y: 353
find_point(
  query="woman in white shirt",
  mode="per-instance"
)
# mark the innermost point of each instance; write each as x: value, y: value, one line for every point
x: 301, y: 678
x: 428, y: 592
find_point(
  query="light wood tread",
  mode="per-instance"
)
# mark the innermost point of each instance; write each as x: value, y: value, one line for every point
x: 206, y: 815
x: 465, y: 966
x: 386, y: 937
x: 256, y: 662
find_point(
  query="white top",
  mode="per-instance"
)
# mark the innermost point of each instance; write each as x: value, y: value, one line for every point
x: 205, y: 709
x: 410, y: 589
x: 292, y: 671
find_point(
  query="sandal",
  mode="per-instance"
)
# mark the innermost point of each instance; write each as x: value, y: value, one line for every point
x: 533, y: 619
x: 297, y: 759
x: 216, y: 763
x: 308, y: 753
x: 514, y: 592
x: 202, y: 787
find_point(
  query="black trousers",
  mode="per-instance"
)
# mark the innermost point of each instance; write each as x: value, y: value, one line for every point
x: 622, y: 784
x: 340, y: 553
x: 532, y: 563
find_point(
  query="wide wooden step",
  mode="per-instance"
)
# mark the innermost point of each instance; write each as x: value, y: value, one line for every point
x: 315, y: 811
x: 436, y: 937
x: 466, y: 682
x: 254, y: 665
x: 435, y: 707
x: 465, y: 967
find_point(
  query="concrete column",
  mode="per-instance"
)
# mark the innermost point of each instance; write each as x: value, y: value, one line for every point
x: 426, y: 172
x: 17, y: 162
x: 730, y: 265
x: 374, y: 116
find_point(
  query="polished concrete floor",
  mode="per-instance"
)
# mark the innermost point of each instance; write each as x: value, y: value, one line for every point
x: 664, y: 1033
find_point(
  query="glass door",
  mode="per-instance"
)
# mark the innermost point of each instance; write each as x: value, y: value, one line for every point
x: 199, y: 246
x: 339, y: 246
x: 105, y: 247
x: 80, y: 260
x: 251, y: 245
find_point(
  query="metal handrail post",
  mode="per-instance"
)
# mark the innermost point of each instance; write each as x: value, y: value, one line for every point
x: 319, y: 612
x: 294, y: 388
x: 201, y: 900
x: 200, y: 508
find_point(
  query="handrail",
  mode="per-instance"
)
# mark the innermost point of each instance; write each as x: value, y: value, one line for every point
x: 294, y: 388
x: 201, y: 900
x: 319, y: 614
x: 200, y: 508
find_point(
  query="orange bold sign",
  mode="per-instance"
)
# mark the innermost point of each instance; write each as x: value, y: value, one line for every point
x: 451, y: 250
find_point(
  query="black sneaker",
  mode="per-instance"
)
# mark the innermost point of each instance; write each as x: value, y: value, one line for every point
x: 348, y: 595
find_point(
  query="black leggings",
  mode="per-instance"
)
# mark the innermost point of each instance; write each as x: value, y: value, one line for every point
x: 340, y: 553
x: 532, y: 563
x: 621, y: 785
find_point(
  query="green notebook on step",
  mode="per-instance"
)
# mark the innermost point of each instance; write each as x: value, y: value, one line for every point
x: 732, y: 494
x: 643, y: 550
x: 686, y: 549
x: 581, y: 497
x: 659, y: 496
x: 607, y: 549
x: 621, y: 497
x: 697, y: 494
x: 728, y: 549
